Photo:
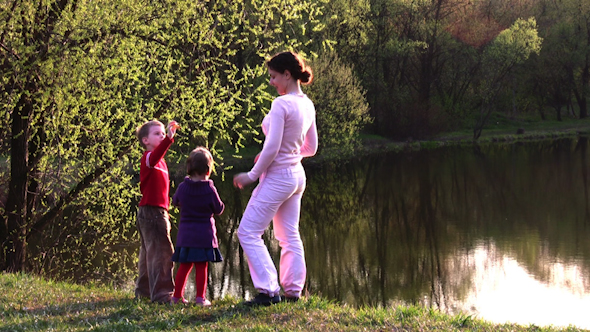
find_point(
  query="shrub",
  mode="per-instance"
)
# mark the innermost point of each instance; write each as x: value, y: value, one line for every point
x: 339, y: 99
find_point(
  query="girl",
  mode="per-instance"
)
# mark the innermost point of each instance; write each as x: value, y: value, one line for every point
x: 196, y: 242
x: 291, y: 134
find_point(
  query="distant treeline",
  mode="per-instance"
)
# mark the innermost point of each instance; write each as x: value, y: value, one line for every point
x: 436, y: 65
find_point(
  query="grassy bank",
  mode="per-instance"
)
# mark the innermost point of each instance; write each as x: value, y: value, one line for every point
x: 30, y: 303
x: 501, y: 130
x: 501, y: 127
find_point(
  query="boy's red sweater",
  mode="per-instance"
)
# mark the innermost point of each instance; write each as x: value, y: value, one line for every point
x: 154, y: 182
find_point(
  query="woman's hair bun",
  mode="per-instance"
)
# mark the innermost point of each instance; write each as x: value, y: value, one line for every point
x: 306, y: 76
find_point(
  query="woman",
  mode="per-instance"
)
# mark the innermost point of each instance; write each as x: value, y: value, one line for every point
x: 291, y: 134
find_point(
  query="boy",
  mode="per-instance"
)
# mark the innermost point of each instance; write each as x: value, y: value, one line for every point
x: 155, y: 264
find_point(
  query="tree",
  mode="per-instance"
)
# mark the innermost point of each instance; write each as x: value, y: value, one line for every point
x: 78, y: 76
x: 340, y: 100
x: 547, y: 83
x: 565, y: 26
x: 512, y: 47
x: 369, y: 34
x: 421, y: 61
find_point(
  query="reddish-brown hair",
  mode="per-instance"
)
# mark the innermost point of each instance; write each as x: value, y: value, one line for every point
x: 292, y: 62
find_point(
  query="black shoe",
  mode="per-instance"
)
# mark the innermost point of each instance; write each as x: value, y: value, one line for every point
x: 263, y: 299
x: 291, y: 299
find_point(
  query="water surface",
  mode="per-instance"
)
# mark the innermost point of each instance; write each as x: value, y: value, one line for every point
x: 500, y: 232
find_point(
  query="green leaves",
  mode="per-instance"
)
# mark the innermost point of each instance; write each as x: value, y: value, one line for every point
x: 514, y: 45
x: 342, y: 111
x: 89, y: 72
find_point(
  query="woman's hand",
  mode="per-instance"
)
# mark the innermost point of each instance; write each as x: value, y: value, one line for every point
x: 241, y: 180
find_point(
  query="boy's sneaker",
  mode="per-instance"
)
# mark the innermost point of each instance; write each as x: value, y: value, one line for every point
x: 263, y: 299
x: 203, y: 302
x: 178, y: 300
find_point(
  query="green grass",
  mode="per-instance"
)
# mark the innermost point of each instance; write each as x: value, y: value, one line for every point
x: 501, y: 127
x: 30, y: 303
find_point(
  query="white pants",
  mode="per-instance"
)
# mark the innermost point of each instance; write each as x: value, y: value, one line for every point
x: 278, y: 198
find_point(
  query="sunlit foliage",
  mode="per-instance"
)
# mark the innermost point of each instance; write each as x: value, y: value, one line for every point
x: 79, y: 76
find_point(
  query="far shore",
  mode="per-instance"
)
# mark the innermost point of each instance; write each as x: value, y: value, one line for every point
x: 505, y: 133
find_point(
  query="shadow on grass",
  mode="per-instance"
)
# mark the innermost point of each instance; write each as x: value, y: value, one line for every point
x: 118, y: 315
x: 110, y: 315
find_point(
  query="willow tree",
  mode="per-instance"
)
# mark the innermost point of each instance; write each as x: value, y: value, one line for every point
x: 79, y: 75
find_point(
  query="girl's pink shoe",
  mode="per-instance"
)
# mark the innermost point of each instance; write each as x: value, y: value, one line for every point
x: 203, y: 302
x: 178, y: 300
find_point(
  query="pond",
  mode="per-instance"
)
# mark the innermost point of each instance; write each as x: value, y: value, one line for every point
x: 500, y: 232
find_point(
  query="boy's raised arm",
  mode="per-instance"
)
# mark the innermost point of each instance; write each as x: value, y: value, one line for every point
x: 159, y: 152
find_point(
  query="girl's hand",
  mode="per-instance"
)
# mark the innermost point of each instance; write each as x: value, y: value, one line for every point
x: 241, y: 180
x: 172, y: 127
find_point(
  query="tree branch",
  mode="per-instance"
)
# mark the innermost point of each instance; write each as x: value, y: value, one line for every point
x: 75, y: 192
x: 12, y: 8
x: 56, y: 10
x: 121, y: 32
x: 9, y: 50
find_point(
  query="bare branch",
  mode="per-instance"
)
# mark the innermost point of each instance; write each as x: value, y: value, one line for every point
x: 9, y: 50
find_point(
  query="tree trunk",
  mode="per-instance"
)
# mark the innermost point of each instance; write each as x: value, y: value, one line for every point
x: 583, y: 104
x: 485, y: 111
x: 582, y: 146
x: 542, y: 113
x: 540, y: 108
x: 582, y: 101
x: 16, y: 212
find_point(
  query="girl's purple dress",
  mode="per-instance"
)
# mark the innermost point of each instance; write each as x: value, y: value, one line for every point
x: 196, y: 240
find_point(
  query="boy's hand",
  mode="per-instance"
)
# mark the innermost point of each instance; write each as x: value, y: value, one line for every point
x: 172, y: 127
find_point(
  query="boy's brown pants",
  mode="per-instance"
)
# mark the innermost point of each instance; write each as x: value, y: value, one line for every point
x: 155, y: 264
